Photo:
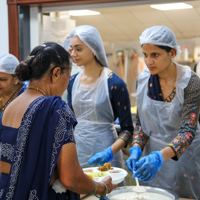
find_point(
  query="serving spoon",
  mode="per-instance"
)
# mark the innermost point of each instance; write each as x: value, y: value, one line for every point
x: 138, y: 188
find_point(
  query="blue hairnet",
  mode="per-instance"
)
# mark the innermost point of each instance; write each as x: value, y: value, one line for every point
x: 160, y: 35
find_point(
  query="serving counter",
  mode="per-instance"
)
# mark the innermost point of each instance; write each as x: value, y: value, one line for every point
x: 95, y: 198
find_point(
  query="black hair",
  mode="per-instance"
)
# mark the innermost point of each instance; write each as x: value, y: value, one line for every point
x: 166, y: 48
x: 97, y: 61
x: 40, y: 60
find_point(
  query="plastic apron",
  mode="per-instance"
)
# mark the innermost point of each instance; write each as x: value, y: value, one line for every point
x: 95, y: 129
x: 161, y: 122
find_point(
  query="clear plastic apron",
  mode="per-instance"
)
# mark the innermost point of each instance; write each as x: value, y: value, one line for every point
x: 95, y: 129
x: 161, y: 122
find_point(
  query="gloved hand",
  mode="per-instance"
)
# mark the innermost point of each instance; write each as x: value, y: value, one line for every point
x: 149, y: 166
x: 102, y: 157
x: 136, y: 152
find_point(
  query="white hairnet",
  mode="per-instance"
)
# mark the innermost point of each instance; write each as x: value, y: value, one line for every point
x: 8, y: 63
x: 91, y: 37
x: 66, y: 44
x: 160, y: 35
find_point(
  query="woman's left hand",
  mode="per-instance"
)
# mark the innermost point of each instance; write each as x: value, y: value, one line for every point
x: 102, y: 157
x: 149, y: 165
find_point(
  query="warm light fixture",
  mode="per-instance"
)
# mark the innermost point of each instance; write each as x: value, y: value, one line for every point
x: 82, y: 12
x: 171, y: 6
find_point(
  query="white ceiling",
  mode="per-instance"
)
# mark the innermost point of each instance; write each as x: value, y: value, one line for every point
x: 127, y: 22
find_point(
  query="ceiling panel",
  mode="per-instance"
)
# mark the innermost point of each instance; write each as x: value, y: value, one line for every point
x: 182, y: 15
x: 191, y: 34
x: 193, y: 3
x: 120, y: 18
x: 128, y: 22
x: 133, y: 31
x: 138, y: 8
x: 188, y: 26
x: 110, y: 10
x: 198, y: 10
x: 168, y: 24
x: 93, y: 20
x: 150, y: 16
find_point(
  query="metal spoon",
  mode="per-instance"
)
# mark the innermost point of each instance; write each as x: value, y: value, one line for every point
x: 138, y: 188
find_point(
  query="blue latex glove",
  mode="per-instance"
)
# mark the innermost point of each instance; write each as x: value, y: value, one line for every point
x: 149, y: 165
x: 102, y: 157
x: 136, y: 152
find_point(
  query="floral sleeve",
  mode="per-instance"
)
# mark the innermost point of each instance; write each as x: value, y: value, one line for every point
x: 190, y: 116
x: 139, y: 136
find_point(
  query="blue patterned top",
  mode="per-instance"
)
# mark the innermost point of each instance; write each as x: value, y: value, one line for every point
x: 119, y: 98
x: 46, y: 126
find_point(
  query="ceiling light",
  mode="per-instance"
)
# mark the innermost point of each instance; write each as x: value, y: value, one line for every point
x: 172, y: 6
x: 83, y: 12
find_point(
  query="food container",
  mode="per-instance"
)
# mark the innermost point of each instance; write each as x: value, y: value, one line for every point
x: 117, y: 174
x: 128, y: 189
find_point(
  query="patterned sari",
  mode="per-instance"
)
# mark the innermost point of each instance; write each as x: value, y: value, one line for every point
x: 46, y: 126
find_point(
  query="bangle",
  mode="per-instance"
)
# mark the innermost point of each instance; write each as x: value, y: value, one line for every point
x: 104, y: 194
x: 94, y: 190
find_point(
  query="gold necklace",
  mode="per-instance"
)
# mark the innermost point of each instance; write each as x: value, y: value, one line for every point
x: 37, y: 89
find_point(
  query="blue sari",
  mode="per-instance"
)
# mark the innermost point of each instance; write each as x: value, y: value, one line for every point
x: 45, y: 127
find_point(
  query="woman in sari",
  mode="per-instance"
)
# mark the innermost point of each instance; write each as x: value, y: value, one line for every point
x: 167, y: 128
x: 38, y: 159
x: 10, y: 86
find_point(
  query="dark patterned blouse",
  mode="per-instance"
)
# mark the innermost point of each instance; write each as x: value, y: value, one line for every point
x: 189, y: 119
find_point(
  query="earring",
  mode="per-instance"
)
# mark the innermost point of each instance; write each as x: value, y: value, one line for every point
x: 16, y: 82
x: 56, y: 79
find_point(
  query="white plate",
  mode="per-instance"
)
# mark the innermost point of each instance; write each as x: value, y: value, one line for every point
x: 116, y: 177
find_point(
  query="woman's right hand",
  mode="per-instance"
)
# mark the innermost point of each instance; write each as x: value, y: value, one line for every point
x: 108, y: 181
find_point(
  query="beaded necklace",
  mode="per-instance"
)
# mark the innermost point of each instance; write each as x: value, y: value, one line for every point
x: 15, y: 95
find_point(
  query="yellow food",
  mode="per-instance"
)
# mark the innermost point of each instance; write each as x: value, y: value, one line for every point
x: 99, y: 174
x: 90, y: 175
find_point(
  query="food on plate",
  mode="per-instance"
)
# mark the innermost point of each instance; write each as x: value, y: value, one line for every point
x: 97, y: 174
x: 88, y: 170
x: 105, y: 167
x: 114, y: 172
x: 100, y: 174
x: 90, y: 175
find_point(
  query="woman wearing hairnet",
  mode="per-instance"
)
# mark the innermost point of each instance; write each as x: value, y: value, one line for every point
x: 10, y: 87
x: 167, y: 128
x: 98, y: 97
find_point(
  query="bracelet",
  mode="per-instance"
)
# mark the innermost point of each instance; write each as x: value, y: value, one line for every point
x: 94, y: 190
x: 104, y: 194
